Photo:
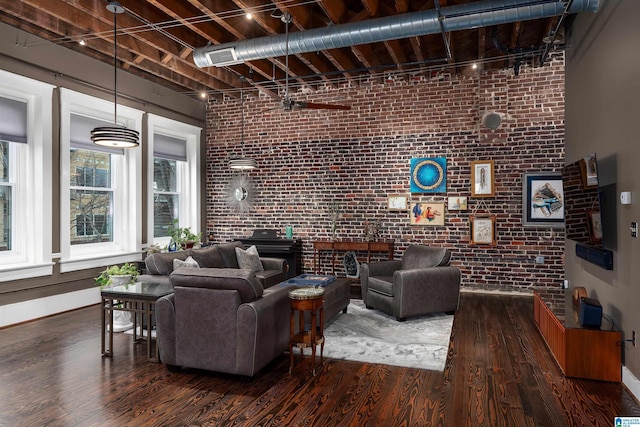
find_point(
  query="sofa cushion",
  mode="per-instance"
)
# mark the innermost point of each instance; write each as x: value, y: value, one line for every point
x: 208, y: 257
x: 244, y: 281
x: 424, y: 257
x: 162, y: 262
x: 189, y: 262
x: 249, y: 259
x: 228, y: 253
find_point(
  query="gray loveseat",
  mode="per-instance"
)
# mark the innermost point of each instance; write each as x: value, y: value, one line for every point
x: 160, y: 265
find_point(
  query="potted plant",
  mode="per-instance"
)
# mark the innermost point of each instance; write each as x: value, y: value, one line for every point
x: 118, y: 275
x: 184, y: 238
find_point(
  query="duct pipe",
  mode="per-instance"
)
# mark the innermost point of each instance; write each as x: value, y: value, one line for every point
x: 455, y: 18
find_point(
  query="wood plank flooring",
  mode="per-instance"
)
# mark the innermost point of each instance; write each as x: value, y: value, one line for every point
x: 498, y: 373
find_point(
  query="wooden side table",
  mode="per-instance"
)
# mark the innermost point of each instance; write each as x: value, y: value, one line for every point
x: 306, y: 299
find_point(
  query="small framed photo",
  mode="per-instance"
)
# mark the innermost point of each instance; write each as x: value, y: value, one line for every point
x: 426, y: 213
x: 457, y: 203
x: 397, y: 202
x: 589, y: 171
x: 595, y: 227
x: 542, y: 200
x: 482, y: 179
x: 482, y: 230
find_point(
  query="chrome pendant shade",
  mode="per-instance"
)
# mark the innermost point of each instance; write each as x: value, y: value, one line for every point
x: 115, y: 136
x: 242, y: 163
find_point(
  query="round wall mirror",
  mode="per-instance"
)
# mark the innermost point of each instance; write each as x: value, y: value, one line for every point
x: 240, y: 194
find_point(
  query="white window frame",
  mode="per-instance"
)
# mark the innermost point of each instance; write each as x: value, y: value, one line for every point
x: 127, y: 222
x: 188, y: 179
x: 31, y: 254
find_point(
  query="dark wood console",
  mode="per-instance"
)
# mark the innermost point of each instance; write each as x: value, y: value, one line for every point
x: 580, y: 352
x: 384, y: 246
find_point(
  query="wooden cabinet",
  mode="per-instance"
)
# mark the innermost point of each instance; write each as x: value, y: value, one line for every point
x: 580, y: 352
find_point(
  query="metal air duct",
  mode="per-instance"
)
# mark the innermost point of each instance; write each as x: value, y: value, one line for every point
x: 454, y: 18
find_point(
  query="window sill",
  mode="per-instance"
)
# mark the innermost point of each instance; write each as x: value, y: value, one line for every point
x: 94, y: 261
x: 25, y: 271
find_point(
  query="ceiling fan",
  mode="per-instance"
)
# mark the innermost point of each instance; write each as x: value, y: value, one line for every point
x: 289, y: 104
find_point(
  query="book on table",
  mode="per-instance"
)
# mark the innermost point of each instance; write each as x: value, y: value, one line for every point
x: 309, y: 280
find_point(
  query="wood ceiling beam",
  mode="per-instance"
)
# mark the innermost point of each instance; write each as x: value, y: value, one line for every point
x: 372, y: 6
x: 303, y: 19
x: 64, y: 22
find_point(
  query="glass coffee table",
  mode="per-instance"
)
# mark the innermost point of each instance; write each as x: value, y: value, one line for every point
x: 139, y: 299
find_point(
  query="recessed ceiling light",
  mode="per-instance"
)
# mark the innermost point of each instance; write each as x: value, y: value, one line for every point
x: 81, y: 42
x: 474, y: 66
x: 249, y: 15
x: 203, y: 94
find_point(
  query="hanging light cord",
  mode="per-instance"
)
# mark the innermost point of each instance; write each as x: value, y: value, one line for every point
x: 115, y: 69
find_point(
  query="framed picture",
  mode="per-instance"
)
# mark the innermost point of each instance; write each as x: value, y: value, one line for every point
x: 589, y: 171
x: 426, y: 213
x: 542, y: 200
x: 397, y: 202
x: 482, y: 230
x: 482, y: 181
x: 457, y: 203
x: 595, y: 227
x: 428, y: 175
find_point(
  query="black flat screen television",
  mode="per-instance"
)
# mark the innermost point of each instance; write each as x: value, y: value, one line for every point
x: 589, y: 207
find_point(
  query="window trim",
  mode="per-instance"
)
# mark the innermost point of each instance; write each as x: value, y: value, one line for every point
x: 30, y: 260
x: 189, y: 179
x: 127, y: 238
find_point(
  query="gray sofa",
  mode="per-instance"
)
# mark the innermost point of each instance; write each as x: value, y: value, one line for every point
x: 160, y: 265
x: 422, y: 282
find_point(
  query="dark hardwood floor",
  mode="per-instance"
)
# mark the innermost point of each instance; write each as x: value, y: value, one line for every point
x: 499, y: 373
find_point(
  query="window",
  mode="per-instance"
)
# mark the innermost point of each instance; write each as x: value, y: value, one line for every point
x: 25, y: 177
x: 100, y: 191
x: 175, y: 165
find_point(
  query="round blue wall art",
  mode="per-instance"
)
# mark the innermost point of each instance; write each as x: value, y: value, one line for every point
x: 429, y: 175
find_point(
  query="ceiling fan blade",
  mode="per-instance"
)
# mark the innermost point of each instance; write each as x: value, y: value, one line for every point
x: 317, y: 106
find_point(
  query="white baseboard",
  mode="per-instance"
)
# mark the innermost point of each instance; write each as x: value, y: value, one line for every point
x: 631, y: 382
x: 12, y: 314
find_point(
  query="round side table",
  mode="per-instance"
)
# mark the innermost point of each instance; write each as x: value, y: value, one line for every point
x: 306, y: 299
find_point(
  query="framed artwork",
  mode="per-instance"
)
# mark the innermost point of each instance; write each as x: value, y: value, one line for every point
x: 482, y: 181
x: 595, y: 227
x: 429, y: 175
x: 397, y: 202
x: 542, y: 200
x: 589, y: 171
x: 482, y: 230
x: 457, y: 203
x: 426, y: 213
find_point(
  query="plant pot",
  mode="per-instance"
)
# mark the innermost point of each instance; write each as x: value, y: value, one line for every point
x: 121, y: 280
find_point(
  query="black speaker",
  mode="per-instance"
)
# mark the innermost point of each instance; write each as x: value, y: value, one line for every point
x: 590, y: 315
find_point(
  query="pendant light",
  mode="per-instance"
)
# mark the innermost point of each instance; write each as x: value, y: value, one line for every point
x: 115, y: 136
x: 242, y: 163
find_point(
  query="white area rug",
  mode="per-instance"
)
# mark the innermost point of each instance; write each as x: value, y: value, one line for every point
x: 372, y: 336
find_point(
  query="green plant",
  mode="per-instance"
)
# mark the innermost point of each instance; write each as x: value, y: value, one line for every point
x: 104, y: 279
x: 182, y: 235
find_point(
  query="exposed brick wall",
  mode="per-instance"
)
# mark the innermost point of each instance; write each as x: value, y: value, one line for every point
x: 309, y: 158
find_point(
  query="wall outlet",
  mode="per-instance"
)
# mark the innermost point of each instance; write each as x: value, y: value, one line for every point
x: 539, y: 260
x: 565, y: 284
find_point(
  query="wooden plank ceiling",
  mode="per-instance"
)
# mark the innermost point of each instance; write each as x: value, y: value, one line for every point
x: 156, y: 39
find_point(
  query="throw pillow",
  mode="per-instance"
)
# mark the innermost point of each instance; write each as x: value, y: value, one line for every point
x: 249, y: 259
x: 189, y: 262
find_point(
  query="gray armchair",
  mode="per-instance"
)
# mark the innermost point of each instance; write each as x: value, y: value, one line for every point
x: 422, y: 282
x: 223, y: 320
